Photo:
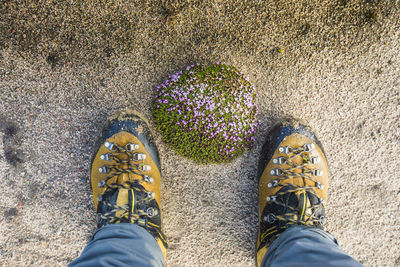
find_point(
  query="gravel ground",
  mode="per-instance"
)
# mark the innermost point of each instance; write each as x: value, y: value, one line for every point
x: 67, y: 65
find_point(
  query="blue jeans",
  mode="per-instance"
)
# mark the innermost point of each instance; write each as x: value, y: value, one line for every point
x: 130, y: 245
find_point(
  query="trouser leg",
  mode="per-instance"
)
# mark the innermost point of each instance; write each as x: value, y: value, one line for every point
x: 122, y: 245
x: 306, y: 246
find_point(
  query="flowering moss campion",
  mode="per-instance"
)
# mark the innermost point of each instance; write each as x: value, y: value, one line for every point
x: 207, y: 113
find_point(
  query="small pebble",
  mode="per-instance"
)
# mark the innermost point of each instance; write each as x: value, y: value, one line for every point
x: 206, y: 203
x: 58, y: 231
x: 44, y: 244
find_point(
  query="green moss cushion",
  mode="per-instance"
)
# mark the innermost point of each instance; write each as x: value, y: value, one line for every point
x: 207, y: 113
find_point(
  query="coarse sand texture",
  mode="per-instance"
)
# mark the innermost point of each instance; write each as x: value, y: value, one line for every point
x: 67, y: 65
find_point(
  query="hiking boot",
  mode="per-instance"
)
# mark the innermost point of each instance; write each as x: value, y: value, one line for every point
x: 126, y: 175
x: 293, y: 182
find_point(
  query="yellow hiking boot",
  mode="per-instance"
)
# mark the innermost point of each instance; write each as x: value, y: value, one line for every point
x: 126, y: 175
x: 293, y: 182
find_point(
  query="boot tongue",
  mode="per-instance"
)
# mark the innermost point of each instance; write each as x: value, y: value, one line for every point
x: 303, y: 205
x: 122, y: 196
x: 118, y: 198
x: 302, y: 202
x: 125, y: 198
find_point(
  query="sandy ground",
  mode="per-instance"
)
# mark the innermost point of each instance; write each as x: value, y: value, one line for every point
x: 66, y: 65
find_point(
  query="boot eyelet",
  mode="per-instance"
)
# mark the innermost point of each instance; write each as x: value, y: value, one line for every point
x: 138, y: 156
x: 270, y: 218
x: 104, y: 169
x: 280, y: 160
x: 308, y: 147
x: 319, y: 185
x: 274, y: 183
x: 131, y: 147
x: 148, y: 179
x: 144, y: 168
x: 110, y: 146
x: 151, y: 212
x: 107, y: 157
x: 276, y: 172
x: 318, y: 172
x: 315, y: 160
x: 151, y: 195
x: 285, y: 149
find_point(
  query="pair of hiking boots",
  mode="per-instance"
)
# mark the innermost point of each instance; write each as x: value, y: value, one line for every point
x: 126, y: 179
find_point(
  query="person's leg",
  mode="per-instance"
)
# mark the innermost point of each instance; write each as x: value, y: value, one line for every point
x: 125, y: 176
x: 121, y: 245
x: 293, y: 188
x: 306, y: 246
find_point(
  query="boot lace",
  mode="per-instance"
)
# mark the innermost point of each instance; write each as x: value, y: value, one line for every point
x: 124, y: 159
x: 307, y: 172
